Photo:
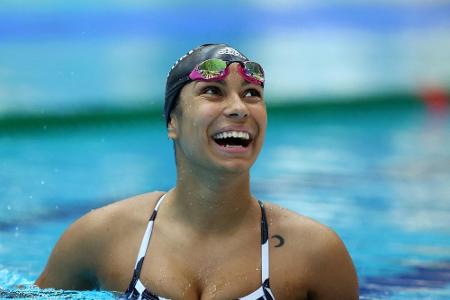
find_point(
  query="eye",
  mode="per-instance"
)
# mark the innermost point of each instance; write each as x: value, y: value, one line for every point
x: 211, y: 90
x: 252, y: 93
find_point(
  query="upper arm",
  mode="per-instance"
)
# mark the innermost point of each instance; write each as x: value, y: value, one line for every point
x: 71, y: 264
x: 336, y: 275
x: 314, y: 262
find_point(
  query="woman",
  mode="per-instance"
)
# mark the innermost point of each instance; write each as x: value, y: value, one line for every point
x: 211, y: 239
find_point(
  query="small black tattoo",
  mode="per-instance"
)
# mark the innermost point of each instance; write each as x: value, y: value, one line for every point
x: 280, y: 240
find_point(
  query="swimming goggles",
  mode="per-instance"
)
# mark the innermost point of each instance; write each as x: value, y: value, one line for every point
x: 214, y: 69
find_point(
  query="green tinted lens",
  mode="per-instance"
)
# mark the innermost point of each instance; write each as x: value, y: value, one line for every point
x: 212, y: 68
x: 254, y: 70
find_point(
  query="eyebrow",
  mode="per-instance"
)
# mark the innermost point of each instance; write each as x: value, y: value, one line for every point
x: 222, y: 82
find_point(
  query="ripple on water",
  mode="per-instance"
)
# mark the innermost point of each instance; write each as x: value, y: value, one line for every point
x: 32, y: 292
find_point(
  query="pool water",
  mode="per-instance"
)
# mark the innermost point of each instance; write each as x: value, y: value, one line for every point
x: 378, y: 175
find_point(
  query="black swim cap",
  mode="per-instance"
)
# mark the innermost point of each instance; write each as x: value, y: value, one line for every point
x: 179, y: 74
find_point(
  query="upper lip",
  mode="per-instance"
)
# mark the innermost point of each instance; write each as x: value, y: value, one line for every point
x: 235, y: 128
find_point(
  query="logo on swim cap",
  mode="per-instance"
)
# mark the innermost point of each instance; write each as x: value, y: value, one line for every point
x: 179, y: 60
x: 230, y: 51
x: 223, y: 51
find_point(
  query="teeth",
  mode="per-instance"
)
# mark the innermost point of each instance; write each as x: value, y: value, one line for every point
x: 234, y: 134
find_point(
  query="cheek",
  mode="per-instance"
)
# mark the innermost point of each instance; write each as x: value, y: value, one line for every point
x: 203, y: 114
x: 197, y: 119
x: 260, y: 114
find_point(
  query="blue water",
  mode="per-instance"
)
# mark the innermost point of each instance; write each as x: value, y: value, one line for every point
x: 378, y: 176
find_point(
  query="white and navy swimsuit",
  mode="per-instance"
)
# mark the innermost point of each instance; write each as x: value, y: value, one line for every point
x: 137, y: 291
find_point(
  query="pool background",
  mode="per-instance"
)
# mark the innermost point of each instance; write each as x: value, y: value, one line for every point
x: 376, y: 174
x: 358, y: 137
x: 60, y: 57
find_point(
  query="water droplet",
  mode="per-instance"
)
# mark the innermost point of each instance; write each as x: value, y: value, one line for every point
x: 213, y: 290
x: 42, y: 182
x: 8, y: 207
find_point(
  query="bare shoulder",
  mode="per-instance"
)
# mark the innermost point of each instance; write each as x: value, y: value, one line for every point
x: 299, y: 227
x: 313, y: 254
x: 108, y: 220
x: 75, y: 257
x: 121, y: 212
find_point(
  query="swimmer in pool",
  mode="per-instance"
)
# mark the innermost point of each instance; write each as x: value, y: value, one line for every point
x: 208, y: 237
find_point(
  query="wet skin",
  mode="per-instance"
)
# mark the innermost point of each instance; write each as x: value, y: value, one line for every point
x: 211, y: 107
x: 206, y: 238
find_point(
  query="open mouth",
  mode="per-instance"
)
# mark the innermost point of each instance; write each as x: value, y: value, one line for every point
x: 233, y: 139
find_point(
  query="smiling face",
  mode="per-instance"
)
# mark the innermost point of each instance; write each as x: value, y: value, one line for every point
x: 219, y: 125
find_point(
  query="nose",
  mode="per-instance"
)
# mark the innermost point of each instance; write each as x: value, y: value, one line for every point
x: 236, y: 108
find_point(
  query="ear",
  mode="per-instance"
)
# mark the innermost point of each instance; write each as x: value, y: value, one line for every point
x: 172, y: 128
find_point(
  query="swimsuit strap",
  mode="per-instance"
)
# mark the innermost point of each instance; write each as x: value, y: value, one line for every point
x: 264, y: 246
x: 263, y: 292
x: 146, y: 239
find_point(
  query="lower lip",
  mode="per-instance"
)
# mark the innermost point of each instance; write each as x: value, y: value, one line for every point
x: 232, y: 149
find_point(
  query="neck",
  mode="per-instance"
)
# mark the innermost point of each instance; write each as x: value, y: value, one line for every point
x: 211, y: 202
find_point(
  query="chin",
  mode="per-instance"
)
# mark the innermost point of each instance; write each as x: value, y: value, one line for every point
x: 236, y: 167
